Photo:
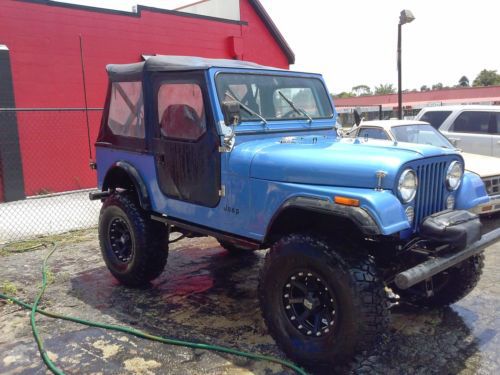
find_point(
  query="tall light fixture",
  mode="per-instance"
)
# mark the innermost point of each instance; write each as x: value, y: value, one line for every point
x: 406, y: 16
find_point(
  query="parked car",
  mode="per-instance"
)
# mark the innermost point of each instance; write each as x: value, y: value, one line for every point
x: 487, y: 167
x: 249, y: 154
x: 472, y: 128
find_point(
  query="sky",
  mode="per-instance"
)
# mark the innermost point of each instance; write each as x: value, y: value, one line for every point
x: 354, y: 42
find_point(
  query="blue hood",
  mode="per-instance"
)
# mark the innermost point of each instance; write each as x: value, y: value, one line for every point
x: 321, y: 160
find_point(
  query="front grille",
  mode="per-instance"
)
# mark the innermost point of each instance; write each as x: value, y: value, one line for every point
x: 431, y: 190
x: 492, y: 185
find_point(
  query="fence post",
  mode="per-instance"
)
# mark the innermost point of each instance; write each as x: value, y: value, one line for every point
x: 11, y: 168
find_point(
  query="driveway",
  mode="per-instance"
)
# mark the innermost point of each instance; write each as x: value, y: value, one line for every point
x: 207, y: 295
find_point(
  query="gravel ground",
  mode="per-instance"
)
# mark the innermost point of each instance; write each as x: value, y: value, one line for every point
x: 207, y: 295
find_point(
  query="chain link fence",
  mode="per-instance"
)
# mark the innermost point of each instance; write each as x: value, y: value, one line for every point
x: 44, y: 171
x: 372, y: 112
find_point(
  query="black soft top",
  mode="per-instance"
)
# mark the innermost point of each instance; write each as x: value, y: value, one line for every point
x: 128, y: 72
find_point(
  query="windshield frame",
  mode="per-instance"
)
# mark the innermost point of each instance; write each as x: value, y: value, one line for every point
x: 281, y: 124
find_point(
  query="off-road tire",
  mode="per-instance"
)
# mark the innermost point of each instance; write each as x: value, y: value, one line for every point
x: 459, y: 281
x: 362, y: 315
x: 148, y: 241
x: 234, y: 249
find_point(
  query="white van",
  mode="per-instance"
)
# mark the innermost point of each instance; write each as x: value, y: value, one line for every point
x: 472, y: 128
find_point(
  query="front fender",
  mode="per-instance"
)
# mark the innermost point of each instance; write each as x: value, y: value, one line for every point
x: 472, y: 192
x: 382, y: 207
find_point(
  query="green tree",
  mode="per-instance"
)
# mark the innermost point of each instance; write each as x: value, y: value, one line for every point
x: 487, y: 78
x: 384, y: 89
x: 437, y: 86
x: 463, y: 82
x: 343, y: 94
x: 362, y: 90
x: 424, y: 88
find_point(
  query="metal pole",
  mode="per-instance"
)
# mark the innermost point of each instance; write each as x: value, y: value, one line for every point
x: 400, y: 94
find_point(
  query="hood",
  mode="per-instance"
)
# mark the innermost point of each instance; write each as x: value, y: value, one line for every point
x: 484, y: 166
x: 322, y: 160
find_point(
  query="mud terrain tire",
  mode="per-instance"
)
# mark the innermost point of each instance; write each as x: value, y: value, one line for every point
x: 451, y: 285
x: 357, y: 296
x: 134, y: 247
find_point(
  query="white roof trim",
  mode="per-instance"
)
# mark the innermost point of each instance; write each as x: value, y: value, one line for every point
x: 3, y: 47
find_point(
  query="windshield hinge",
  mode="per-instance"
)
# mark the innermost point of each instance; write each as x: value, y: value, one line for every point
x: 222, y: 191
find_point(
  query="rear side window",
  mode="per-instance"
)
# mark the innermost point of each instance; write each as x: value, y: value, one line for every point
x: 375, y: 133
x: 181, y: 111
x: 435, y: 118
x: 126, y: 109
x: 472, y: 122
x: 495, y: 123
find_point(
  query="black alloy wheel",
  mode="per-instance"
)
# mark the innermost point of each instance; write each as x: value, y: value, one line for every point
x: 310, y: 304
x: 120, y: 239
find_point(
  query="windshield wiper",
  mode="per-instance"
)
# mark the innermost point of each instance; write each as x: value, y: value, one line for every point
x: 300, y: 111
x: 249, y: 110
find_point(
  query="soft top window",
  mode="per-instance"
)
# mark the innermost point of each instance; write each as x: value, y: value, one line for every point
x: 126, y: 110
x: 274, y: 97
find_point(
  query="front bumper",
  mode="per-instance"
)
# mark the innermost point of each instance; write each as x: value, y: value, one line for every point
x: 433, y: 266
x: 487, y: 208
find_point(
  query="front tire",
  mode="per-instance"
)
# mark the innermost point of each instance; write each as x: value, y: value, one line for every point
x: 133, y: 246
x: 319, y: 308
x: 449, y: 286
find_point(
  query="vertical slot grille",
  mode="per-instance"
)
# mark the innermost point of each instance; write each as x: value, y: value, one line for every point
x: 431, y: 190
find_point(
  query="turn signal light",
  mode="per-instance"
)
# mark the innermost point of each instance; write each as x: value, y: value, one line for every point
x: 347, y: 201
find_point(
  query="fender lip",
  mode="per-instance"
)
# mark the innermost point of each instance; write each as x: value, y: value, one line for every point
x: 358, y: 215
x: 140, y: 186
x: 433, y: 266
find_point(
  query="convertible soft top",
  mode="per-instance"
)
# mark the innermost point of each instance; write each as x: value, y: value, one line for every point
x: 121, y: 72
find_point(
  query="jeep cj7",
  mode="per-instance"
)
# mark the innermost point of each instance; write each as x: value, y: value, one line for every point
x: 249, y: 154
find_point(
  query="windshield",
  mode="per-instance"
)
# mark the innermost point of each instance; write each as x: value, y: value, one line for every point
x: 275, y: 97
x: 423, y: 134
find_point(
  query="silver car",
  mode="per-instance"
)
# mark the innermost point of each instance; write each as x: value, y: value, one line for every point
x: 487, y: 167
x: 472, y: 128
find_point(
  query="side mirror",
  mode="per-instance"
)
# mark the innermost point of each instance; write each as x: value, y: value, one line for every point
x: 231, y: 111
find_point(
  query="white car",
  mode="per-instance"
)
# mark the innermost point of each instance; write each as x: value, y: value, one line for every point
x: 472, y: 128
x: 422, y: 132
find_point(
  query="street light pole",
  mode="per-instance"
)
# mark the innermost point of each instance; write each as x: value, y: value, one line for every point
x: 400, y: 93
x: 406, y: 16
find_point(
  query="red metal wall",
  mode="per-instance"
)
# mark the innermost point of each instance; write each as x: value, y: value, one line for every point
x: 44, y: 50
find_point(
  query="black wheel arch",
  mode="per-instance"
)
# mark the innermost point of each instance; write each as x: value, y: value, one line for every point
x: 301, y: 213
x: 124, y: 175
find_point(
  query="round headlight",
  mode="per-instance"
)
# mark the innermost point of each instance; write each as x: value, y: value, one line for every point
x: 407, y: 185
x: 454, y: 175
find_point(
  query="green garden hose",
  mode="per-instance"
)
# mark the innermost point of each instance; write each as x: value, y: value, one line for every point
x: 169, y: 341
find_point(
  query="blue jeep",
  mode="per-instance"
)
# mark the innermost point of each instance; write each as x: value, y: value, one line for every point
x: 249, y: 155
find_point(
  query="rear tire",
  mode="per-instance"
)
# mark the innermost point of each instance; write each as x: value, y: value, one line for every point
x: 134, y: 247
x: 319, y: 308
x: 450, y: 286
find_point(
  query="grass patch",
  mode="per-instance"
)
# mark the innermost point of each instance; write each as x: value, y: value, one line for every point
x: 36, y: 243
x: 9, y: 289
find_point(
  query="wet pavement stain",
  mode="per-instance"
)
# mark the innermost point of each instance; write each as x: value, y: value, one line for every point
x: 207, y: 295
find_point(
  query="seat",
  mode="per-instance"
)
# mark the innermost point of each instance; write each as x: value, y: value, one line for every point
x: 181, y: 121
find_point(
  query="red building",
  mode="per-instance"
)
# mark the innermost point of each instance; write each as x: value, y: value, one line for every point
x: 40, y: 67
x: 373, y: 106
